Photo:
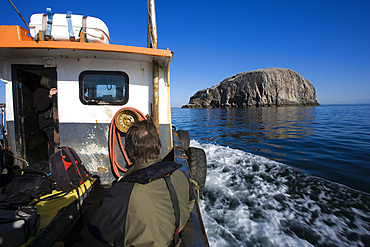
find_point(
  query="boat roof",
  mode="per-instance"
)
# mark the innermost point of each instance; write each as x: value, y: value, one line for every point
x: 16, y: 42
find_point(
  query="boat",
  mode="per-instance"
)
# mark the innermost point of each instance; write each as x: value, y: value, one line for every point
x: 102, y: 89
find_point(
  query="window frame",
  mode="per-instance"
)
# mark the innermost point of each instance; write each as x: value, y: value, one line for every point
x: 103, y: 73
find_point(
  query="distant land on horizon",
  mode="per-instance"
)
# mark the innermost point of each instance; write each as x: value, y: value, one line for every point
x: 328, y: 104
x: 258, y: 88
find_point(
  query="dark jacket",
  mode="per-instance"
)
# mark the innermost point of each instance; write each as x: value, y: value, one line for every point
x: 43, y: 104
x: 138, y: 211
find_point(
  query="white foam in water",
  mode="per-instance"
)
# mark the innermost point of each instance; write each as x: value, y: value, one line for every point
x: 252, y: 201
x: 93, y: 152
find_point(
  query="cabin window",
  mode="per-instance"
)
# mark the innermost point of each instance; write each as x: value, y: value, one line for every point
x: 103, y: 87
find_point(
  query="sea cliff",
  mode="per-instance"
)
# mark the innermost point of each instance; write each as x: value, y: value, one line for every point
x: 263, y: 87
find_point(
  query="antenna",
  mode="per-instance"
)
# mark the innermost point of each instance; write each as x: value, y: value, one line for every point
x: 19, y: 14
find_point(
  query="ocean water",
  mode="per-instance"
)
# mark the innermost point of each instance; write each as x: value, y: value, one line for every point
x: 287, y: 176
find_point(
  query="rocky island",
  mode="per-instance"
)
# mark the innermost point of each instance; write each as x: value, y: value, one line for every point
x: 263, y: 87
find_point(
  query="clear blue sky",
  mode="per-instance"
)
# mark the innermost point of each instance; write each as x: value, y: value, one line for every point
x: 327, y: 42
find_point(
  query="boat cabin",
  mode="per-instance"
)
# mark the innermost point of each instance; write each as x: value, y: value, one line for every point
x: 95, y: 80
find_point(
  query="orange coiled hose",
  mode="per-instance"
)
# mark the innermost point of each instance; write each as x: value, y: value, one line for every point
x: 113, y: 131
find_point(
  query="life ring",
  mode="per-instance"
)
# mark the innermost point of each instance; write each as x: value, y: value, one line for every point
x: 120, y: 123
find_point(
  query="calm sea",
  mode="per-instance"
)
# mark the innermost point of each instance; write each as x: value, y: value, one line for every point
x: 286, y: 176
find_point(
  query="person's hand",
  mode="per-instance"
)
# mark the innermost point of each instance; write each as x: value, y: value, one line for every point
x: 52, y: 92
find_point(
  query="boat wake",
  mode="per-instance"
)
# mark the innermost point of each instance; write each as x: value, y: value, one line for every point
x: 249, y: 200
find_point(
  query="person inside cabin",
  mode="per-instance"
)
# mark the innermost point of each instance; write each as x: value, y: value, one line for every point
x: 43, y: 106
x: 149, y: 205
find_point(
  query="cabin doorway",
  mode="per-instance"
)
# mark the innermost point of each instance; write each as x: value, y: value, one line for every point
x: 31, y: 143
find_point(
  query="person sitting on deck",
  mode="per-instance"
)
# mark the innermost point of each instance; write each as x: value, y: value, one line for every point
x: 140, y: 209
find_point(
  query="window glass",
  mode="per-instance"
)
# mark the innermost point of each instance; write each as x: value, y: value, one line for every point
x: 104, y: 87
